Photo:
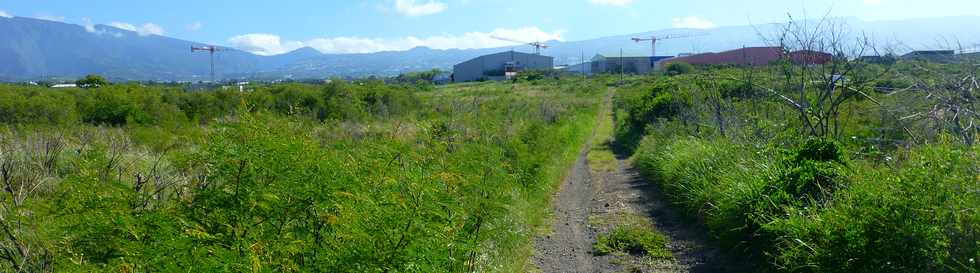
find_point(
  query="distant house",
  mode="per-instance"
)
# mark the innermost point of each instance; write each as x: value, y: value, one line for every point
x: 64, y: 85
x: 611, y: 63
x: 500, y: 66
x: 887, y: 59
x: 747, y: 56
x: 582, y: 68
x: 443, y: 78
x: 656, y: 60
x: 809, y: 57
x: 931, y: 55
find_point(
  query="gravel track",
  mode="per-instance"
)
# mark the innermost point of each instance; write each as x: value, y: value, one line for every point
x: 585, y: 195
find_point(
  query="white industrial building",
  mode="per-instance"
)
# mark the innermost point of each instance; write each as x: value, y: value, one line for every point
x: 500, y: 66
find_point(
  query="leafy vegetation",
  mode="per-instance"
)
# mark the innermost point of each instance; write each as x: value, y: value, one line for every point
x: 634, y: 240
x: 862, y: 181
x: 91, y: 81
x: 342, y: 177
x: 678, y: 68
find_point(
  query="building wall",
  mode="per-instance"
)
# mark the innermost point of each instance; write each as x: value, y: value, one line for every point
x: 809, y: 57
x: 631, y: 65
x: 582, y: 68
x: 483, y: 67
x: 745, y: 56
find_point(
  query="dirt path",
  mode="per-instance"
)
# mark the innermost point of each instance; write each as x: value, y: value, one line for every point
x: 602, y: 191
x: 568, y: 248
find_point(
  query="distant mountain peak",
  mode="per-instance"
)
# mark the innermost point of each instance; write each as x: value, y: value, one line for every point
x: 305, y: 51
x: 421, y: 48
x: 34, y: 49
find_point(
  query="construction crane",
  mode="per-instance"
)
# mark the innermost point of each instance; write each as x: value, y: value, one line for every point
x: 211, y: 50
x: 653, y: 40
x: 537, y: 45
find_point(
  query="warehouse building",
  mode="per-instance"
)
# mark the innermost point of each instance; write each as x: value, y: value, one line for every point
x: 608, y: 63
x: 747, y: 56
x: 939, y: 56
x: 500, y: 66
x: 809, y: 57
x: 602, y: 63
x: 582, y: 68
x: 753, y: 56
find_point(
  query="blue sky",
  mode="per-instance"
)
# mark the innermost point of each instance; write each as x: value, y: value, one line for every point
x: 272, y: 27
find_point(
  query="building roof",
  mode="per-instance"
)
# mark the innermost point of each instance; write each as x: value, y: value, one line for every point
x: 809, y: 57
x: 617, y: 56
x: 931, y: 52
x: 742, y: 56
x: 941, y: 56
x: 523, y: 55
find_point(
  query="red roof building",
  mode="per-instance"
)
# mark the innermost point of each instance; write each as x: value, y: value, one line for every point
x: 744, y: 56
x: 810, y: 57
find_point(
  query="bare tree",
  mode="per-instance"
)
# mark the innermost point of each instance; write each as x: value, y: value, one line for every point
x: 814, y: 88
x: 24, y: 167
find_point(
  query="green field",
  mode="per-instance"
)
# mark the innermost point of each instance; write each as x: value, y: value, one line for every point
x: 344, y: 177
x: 887, y: 181
x: 785, y: 166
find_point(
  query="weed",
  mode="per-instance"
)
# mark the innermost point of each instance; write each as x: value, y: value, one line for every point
x: 633, y: 239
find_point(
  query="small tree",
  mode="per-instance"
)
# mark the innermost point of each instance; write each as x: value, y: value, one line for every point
x: 92, y: 81
x: 817, y: 92
x: 673, y: 69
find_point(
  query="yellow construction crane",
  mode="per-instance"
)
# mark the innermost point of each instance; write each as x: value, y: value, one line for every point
x: 653, y: 40
x: 537, y: 45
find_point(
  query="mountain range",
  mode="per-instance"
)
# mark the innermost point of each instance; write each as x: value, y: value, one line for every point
x: 34, y: 49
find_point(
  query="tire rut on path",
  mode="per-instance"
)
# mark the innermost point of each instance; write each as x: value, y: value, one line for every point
x: 568, y: 248
x: 585, y: 196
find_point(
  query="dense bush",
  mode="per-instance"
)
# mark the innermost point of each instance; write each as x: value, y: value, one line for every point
x: 877, y: 198
x: 912, y: 218
x: 394, y: 183
x: 119, y: 105
x: 92, y: 81
x: 633, y: 240
x: 678, y: 68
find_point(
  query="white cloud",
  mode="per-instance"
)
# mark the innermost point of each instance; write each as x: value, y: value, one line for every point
x: 4, y: 14
x: 121, y: 25
x: 151, y: 28
x: 263, y: 44
x: 87, y: 23
x: 692, y: 22
x: 270, y: 44
x: 195, y: 26
x: 411, y: 8
x: 144, y: 30
x: 49, y: 17
x: 611, y: 2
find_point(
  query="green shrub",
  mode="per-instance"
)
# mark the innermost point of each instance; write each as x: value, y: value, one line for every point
x: 92, y: 81
x: 678, y: 68
x: 529, y: 76
x: 633, y: 239
x: 808, y: 212
x: 810, y: 174
x: 458, y: 187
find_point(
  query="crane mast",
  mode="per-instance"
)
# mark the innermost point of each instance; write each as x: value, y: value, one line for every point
x: 537, y: 45
x: 211, y: 50
x: 653, y: 40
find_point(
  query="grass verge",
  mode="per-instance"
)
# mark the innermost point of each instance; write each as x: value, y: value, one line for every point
x: 632, y: 234
x: 601, y: 157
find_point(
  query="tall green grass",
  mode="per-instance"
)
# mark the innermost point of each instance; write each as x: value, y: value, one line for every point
x: 918, y: 215
x: 458, y: 181
x: 886, y: 195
